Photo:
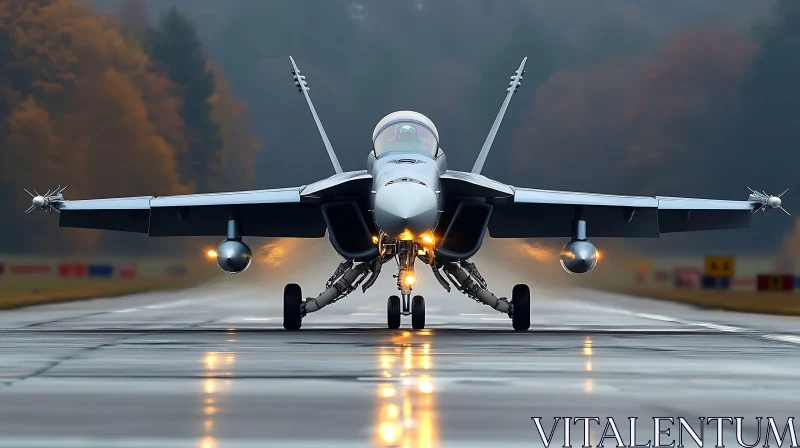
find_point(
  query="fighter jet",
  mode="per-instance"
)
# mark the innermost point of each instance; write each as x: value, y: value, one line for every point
x: 407, y: 206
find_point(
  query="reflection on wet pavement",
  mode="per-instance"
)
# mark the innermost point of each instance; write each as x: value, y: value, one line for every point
x: 217, y: 365
x: 406, y: 406
x: 219, y: 372
x: 588, y: 385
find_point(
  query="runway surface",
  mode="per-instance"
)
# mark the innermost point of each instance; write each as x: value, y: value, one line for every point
x: 211, y: 367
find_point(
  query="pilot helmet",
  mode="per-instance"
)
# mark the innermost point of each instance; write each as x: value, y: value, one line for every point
x: 407, y: 133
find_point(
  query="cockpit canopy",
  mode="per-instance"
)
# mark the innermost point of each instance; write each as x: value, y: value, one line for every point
x: 406, y: 131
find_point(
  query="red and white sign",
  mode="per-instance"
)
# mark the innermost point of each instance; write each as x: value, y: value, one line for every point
x: 686, y: 277
x: 127, y: 271
x: 72, y: 270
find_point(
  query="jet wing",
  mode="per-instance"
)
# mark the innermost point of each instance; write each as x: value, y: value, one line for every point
x: 535, y: 213
x: 284, y: 212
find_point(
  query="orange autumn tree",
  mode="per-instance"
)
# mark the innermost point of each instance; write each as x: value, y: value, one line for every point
x: 239, y: 146
x: 83, y: 108
x: 217, y: 149
x: 84, y: 104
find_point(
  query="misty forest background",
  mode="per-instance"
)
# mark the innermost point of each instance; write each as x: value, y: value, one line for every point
x: 130, y: 97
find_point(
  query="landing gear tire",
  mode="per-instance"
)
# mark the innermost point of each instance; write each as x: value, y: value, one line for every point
x: 393, y: 312
x: 418, y: 313
x: 521, y: 301
x: 292, y: 306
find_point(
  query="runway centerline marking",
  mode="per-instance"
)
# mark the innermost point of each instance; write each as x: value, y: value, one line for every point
x: 792, y: 339
x: 127, y: 310
x: 174, y: 304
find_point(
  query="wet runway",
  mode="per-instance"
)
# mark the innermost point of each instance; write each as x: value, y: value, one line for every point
x: 211, y: 367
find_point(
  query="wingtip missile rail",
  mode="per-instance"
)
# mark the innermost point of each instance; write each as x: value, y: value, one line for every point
x: 764, y: 201
x: 48, y: 202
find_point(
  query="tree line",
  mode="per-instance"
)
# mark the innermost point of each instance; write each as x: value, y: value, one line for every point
x: 110, y: 108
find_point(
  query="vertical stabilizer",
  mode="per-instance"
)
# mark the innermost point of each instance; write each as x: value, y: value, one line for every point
x: 516, y: 81
x: 302, y: 86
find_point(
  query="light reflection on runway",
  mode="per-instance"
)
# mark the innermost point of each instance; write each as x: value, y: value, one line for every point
x: 217, y: 370
x: 214, y: 390
x: 588, y: 385
x: 406, y: 407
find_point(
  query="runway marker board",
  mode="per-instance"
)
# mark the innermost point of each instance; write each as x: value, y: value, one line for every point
x: 101, y: 270
x: 720, y: 266
x: 71, y: 270
x: 710, y: 282
x: 775, y: 282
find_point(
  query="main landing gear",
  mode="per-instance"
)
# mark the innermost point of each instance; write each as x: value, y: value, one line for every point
x: 292, y: 306
x: 344, y: 280
x: 466, y: 278
x: 521, y: 301
x: 461, y: 274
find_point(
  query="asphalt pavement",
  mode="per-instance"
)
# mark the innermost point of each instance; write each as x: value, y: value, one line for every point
x: 212, y: 367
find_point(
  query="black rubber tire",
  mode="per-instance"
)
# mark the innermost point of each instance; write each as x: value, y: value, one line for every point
x: 521, y: 300
x: 292, y: 306
x: 418, y: 313
x: 393, y: 312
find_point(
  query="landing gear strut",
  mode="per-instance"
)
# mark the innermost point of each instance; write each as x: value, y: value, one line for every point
x: 406, y: 252
x: 344, y: 280
x: 463, y: 274
x: 466, y: 278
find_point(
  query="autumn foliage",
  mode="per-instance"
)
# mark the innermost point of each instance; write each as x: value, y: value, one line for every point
x: 641, y: 118
x: 83, y: 104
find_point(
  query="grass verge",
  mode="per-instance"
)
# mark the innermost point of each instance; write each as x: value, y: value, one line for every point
x: 17, y: 296
x: 782, y: 303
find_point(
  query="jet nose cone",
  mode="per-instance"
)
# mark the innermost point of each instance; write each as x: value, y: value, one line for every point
x: 405, y: 207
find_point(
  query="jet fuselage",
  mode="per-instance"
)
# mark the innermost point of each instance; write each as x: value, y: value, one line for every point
x: 405, y: 165
x: 406, y: 194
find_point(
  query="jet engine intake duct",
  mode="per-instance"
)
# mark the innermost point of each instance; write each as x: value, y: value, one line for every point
x: 348, y: 232
x: 464, y: 235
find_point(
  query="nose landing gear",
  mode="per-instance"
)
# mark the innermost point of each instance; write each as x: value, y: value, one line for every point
x: 418, y: 313
x: 396, y: 307
x: 406, y: 252
x: 393, y: 312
